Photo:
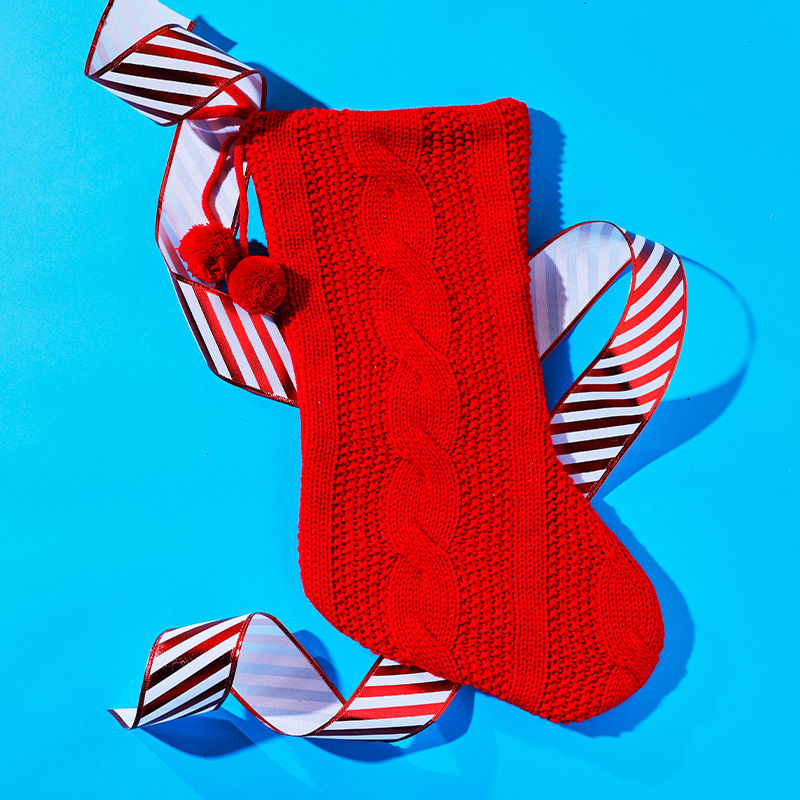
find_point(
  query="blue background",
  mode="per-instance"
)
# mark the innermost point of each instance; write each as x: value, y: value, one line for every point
x: 139, y: 492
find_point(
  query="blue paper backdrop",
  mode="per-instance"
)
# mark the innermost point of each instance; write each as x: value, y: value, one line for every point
x: 139, y: 492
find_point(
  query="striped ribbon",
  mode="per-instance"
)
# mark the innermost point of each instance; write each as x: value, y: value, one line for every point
x: 148, y: 56
x: 607, y: 407
x: 193, y: 669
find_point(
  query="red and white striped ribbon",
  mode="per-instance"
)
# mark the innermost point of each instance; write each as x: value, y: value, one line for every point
x: 148, y: 56
x: 193, y: 669
x: 607, y: 407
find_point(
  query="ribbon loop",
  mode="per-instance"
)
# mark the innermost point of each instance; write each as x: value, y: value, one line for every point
x: 607, y: 407
x: 193, y: 669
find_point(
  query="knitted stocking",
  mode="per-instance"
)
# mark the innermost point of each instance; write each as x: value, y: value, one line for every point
x: 437, y: 526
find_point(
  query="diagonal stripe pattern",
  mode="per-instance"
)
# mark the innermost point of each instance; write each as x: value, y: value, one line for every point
x: 607, y: 407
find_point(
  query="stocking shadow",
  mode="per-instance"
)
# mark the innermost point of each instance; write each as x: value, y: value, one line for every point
x: 675, y: 422
x: 678, y: 641
x: 547, y: 153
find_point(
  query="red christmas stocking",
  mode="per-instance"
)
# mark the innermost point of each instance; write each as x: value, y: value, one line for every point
x: 437, y: 527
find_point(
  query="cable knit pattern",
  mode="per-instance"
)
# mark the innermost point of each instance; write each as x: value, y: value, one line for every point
x: 422, y: 405
x: 437, y: 526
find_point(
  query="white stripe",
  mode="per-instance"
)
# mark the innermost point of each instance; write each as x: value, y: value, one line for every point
x: 193, y: 90
x: 643, y: 272
x: 400, y: 680
x: 186, y: 671
x: 205, y: 704
x: 581, y: 456
x: 596, y: 433
x: 174, y: 262
x: 638, y: 244
x: 149, y: 102
x: 263, y: 356
x: 655, y: 290
x: 345, y: 724
x: 185, y: 697
x: 178, y: 650
x: 127, y: 715
x: 633, y: 374
x: 618, y: 394
x: 198, y: 46
x: 280, y: 345
x: 644, y: 348
x: 205, y: 331
x: 588, y: 477
x: 420, y: 698
x: 649, y: 322
x: 602, y: 413
x: 171, y: 634
x: 233, y: 341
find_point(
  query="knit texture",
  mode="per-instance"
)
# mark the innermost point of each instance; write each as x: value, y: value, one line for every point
x: 437, y: 526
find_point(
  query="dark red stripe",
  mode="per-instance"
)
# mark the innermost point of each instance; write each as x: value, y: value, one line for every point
x: 185, y: 685
x: 588, y: 466
x: 645, y: 252
x: 652, y: 307
x: 592, y: 424
x: 653, y: 275
x: 662, y: 347
x: 646, y: 336
x: 397, y: 669
x: 590, y: 444
x: 165, y: 74
x: 370, y: 731
x: 632, y: 383
x: 148, y: 93
x: 246, y: 345
x: 219, y: 335
x: 572, y: 404
x: 190, y: 655
x: 274, y: 356
x: 211, y: 57
x: 182, y: 637
x: 217, y: 687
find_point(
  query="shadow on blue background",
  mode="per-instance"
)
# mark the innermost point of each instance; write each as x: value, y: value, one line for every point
x: 676, y: 421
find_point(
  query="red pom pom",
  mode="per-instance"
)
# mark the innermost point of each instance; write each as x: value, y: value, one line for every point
x: 257, y: 284
x: 210, y: 251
